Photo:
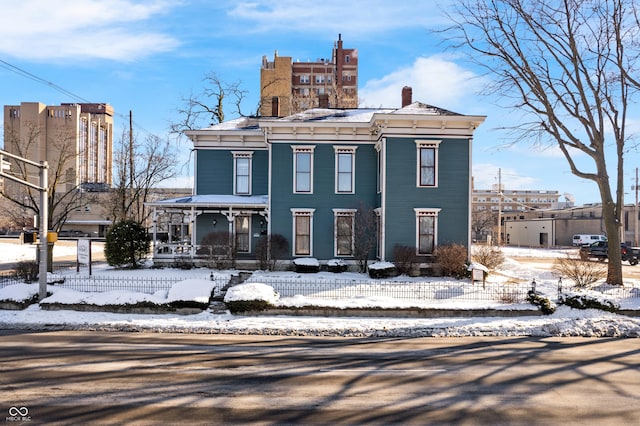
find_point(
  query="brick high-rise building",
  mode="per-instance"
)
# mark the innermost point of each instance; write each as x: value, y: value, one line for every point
x: 288, y: 87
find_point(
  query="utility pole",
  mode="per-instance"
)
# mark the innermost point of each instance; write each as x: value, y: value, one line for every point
x: 499, y: 206
x: 635, y: 214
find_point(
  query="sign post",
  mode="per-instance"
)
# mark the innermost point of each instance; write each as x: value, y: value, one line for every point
x: 84, y: 254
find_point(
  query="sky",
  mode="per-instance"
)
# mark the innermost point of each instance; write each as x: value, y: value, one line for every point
x: 147, y: 56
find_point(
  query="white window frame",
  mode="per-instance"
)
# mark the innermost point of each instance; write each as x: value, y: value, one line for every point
x: 304, y: 79
x: 319, y: 78
x: 248, y: 155
x: 302, y: 149
x: 338, y: 213
x: 295, y: 213
x: 426, y: 212
x: 427, y: 144
x: 341, y: 150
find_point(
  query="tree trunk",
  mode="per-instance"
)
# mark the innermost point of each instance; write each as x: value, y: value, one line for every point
x: 612, y: 227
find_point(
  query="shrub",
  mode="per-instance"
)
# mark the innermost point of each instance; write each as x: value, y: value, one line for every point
x: 27, y: 270
x: 126, y: 244
x: 383, y: 270
x: 270, y: 249
x: 452, y: 259
x: 489, y: 256
x: 582, y: 272
x: 545, y: 305
x: 404, y: 258
x: 236, y: 306
x: 588, y: 301
x: 218, y: 248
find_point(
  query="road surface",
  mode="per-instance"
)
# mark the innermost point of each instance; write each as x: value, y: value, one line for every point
x: 68, y: 377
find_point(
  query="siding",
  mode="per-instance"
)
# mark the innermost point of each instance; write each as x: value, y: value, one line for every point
x: 215, y: 172
x: 451, y: 194
x: 324, y: 199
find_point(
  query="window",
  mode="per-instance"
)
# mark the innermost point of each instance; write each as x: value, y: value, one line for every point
x: 303, y: 169
x: 242, y: 234
x: 427, y: 156
x: 242, y: 172
x: 302, y: 226
x: 304, y: 79
x: 343, y: 231
x: 347, y: 59
x: 426, y: 221
x: 345, y: 169
x: 319, y: 79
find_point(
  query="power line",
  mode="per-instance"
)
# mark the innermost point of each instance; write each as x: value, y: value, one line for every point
x: 24, y: 73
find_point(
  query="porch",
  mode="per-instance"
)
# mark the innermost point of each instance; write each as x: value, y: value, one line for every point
x: 180, y: 225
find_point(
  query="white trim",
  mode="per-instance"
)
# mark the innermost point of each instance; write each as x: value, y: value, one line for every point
x: 431, y: 212
x: 301, y: 212
x: 341, y: 213
x: 428, y: 144
x: 345, y: 149
x: 303, y: 149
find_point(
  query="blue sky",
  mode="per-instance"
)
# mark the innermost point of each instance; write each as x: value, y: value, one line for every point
x: 145, y: 56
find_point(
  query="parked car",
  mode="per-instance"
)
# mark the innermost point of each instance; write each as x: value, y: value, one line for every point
x: 580, y: 240
x: 600, y: 251
x: 73, y: 233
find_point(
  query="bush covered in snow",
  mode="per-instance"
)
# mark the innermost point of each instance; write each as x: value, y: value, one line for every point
x: 545, y: 305
x: 307, y: 265
x: 383, y: 270
x: 588, y: 300
x: 336, y: 265
x: 250, y: 297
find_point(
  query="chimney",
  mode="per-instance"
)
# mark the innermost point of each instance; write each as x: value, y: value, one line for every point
x: 275, y: 107
x: 407, y: 94
x: 323, y: 100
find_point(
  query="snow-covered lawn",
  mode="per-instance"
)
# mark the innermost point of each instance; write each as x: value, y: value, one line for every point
x: 197, y: 286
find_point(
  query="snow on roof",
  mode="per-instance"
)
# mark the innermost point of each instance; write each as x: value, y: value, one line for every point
x: 424, y: 109
x: 214, y: 200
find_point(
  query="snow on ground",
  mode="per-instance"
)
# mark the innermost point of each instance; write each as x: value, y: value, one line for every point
x: 517, y: 268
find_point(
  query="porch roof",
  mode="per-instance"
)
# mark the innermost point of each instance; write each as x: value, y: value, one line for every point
x: 214, y: 200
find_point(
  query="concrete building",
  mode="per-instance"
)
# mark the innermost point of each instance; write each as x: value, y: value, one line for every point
x: 80, y: 135
x: 490, y: 206
x: 527, y: 228
x: 288, y: 87
x: 76, y: 141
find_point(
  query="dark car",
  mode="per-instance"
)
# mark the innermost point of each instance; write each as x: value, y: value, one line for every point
x: 600, y: 251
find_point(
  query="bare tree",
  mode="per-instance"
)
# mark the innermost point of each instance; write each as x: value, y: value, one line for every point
x: 365, y: 235
x: 572, y: 66
x: 138, y: 169
x: 64, y: 193
x: 208, y: 107
x: 483, y: 223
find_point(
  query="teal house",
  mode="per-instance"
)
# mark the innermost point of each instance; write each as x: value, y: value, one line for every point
x: 310, y: 177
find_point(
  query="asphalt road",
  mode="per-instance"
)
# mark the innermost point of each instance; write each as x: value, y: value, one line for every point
x: 144, y: 378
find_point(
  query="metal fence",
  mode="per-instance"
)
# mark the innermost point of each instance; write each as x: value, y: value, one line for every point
x: 615, y: 291
x: 408, y: 290
x: 150, y: 285
x: 98, y: 283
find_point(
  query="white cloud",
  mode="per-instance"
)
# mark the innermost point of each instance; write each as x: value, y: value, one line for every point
x: 435, y: 80
x: 36, y: 29
x: 356, y: 16
x: 486, y: 175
